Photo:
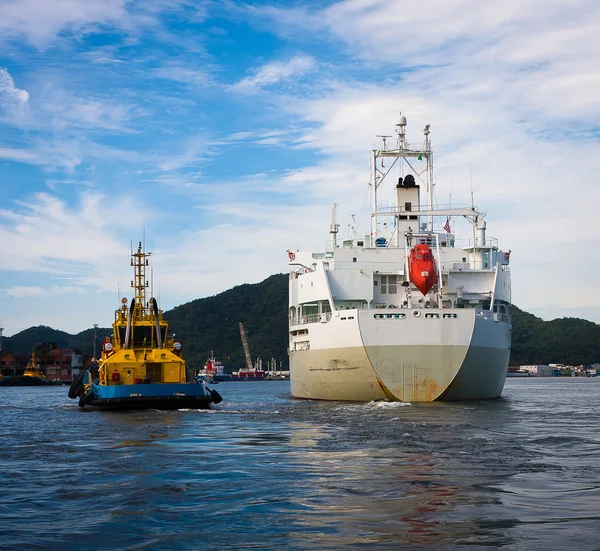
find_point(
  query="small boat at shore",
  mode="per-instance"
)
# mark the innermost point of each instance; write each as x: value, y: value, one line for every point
x: 213, y: 371
x: 141, y: 365
x: 32, y: 376
x: 254, y: 374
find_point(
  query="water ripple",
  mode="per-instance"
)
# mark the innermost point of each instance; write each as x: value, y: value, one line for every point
x: 264, y: 471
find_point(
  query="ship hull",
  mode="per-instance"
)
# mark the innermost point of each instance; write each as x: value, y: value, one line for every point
x: 24, y: 380
x: 411, y: 359
x: 247, y: 378
x: 152, y: 396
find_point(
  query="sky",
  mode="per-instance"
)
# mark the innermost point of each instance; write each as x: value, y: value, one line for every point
x: 221, y: 132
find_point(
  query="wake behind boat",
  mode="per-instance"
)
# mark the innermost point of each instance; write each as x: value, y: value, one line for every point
x: 407, y: 312
x: 141, y: 366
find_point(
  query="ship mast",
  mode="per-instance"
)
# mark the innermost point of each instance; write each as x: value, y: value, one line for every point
x: 246, y: 347
x: 404, y: 151
x: 139, y: 261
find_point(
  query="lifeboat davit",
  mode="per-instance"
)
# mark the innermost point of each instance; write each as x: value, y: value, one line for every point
x: 421, y: 268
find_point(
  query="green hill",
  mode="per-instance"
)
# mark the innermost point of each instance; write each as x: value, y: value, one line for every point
x: 570, y: 341
x: 25, y: 341
x: 211, y: 323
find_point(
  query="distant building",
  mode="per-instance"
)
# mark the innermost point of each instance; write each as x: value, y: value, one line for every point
x: 539, y: 370
x: 8, y: 363
x: 60, y: 364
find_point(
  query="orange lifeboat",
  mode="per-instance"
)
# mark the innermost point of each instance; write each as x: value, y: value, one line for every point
x: 421, y: 266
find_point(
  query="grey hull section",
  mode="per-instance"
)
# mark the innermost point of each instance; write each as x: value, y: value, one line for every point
x: 481, y: 376
x: 407, y: 372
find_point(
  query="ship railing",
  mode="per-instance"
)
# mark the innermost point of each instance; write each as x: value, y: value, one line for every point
x: 469, y: 243
x: 462, y: 266
x: 395, y: 267
x: 398, y: 266
x: 310, y: 318
x: 427, y: 238
x: 326, y: 255
x: 496, y: 316
x: 414, y: 209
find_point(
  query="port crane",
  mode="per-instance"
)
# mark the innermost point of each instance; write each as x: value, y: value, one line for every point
x: 246, y: 347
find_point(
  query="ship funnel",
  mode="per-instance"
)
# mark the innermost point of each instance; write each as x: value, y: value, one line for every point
x: 128, y: 328
x: 157, y: 321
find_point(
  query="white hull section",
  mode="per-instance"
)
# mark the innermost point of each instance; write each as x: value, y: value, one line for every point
x: 411, y: 355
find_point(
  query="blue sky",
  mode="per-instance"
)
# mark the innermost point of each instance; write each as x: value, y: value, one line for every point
x: 223, y: 131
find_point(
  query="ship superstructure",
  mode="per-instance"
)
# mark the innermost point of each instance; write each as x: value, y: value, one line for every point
x: 408, y: 312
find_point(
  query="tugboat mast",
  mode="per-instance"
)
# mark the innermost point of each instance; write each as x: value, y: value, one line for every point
x: 139, y: 261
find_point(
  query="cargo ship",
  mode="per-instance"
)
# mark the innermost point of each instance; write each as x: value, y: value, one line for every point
x: 409, y: 311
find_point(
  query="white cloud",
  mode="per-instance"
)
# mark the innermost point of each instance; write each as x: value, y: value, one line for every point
x: 8, y: 91
x: 195, y: 150
x: 19, y: 155
x: 65, y: 111
x: 19, y: 291
x: 40, y: 21
x: 505, y: 86
x: 179, y: 73
x: 46, y: 235
x: 275, y: 72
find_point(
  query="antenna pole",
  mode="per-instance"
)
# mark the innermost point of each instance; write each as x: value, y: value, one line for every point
x: 373, y: 196
x: 333, y: 228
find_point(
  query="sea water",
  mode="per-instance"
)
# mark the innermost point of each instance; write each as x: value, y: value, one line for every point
x: 264, y: 471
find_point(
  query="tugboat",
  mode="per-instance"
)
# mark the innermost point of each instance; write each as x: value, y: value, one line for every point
x: 141, y: 365
x: 32, y: 376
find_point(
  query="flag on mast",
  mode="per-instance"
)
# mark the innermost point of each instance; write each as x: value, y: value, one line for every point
x: 447, y: 225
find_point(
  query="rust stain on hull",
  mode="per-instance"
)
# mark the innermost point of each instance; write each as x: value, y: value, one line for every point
x: 335, y: 364
x: 390, y: 395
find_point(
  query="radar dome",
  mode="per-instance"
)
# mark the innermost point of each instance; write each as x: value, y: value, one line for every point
x: 401, y: 121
